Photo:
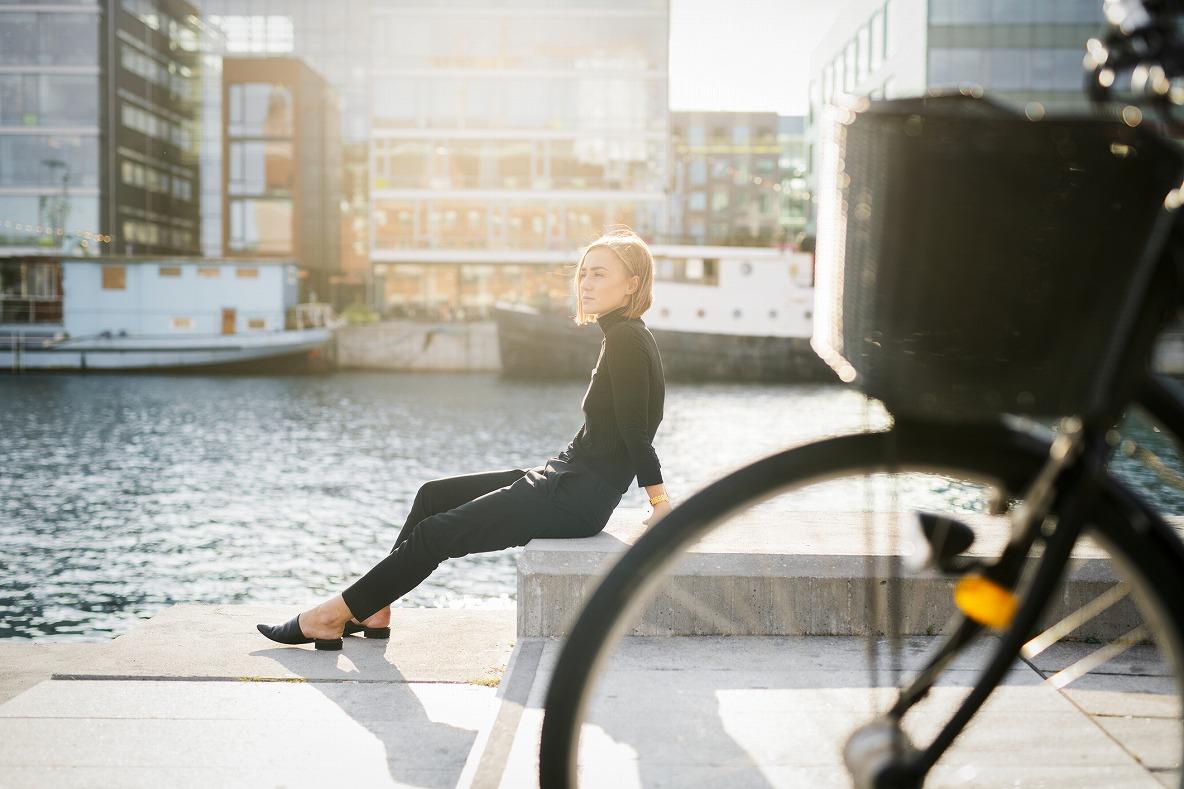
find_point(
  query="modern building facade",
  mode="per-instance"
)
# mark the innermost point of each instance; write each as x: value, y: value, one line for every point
x: 329, y: 37
x: 727, y: 175
x: 503, y: 136
x: 51, y: 173
x: 332, y: 39
x: 795, y: 194
x: 153, y: 112
x: 1020, y: 53
x: 281, y: 167
x: 98, y: 107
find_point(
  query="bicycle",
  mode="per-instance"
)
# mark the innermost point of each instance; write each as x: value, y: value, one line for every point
x: 964, y: 393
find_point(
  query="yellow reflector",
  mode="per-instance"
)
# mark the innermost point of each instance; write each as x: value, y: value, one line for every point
x: 984, y: 601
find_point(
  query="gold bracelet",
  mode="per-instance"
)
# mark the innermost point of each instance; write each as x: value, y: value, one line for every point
x: 661, y: 497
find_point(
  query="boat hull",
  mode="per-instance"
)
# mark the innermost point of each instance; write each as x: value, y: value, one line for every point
x: 306, y: 350
x: 545, y: 345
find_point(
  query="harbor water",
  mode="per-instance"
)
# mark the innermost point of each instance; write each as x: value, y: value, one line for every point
x: 123, y: 494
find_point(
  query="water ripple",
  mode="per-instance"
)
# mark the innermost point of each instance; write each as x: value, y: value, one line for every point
x: 121, y: 495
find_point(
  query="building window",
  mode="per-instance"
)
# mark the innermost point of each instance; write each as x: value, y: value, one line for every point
x: 260, y: 167
x: 169, y: 271
x: 114, y: 278
x: 209, y: 271
x: 182, y: 323
x: 247, y: 273
x: 261, y: 226
x: 259, y: 109
x: 877, y: 40
x: 257, y: 324
x: 862, y: 55
x: 849, y: 67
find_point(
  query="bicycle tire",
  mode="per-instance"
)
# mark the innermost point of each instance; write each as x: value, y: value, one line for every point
x: 1142, y: 542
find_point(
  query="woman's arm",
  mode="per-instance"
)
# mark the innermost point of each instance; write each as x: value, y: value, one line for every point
x: 629, y: 369
x: 661, y: 508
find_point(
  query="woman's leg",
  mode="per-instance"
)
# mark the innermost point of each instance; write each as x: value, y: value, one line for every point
x: 440, y: 495
x: 499, y: 519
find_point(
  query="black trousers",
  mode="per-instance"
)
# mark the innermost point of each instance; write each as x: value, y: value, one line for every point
x: 473, y: 513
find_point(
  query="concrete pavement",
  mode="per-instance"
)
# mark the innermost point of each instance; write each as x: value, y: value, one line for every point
x: 196, y: 697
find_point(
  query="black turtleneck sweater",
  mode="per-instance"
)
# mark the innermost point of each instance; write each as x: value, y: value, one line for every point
x: 623, y: 405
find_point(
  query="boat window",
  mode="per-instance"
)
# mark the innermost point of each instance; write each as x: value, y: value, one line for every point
x: 114, y: 278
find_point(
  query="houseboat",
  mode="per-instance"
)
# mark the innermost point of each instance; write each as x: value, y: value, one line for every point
x: 719, y: 314
x: 129, y: 313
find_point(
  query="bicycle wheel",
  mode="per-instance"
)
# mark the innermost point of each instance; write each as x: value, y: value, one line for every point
x: 626, y: 705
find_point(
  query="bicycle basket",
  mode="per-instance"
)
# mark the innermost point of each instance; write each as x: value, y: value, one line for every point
x: 972, y: 262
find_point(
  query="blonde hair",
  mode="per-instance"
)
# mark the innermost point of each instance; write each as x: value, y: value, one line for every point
x: 639, y: 261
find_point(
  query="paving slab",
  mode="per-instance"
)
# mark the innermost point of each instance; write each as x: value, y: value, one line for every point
x: 196, y: 696
x: 25, y: 663
x: 215, y: 733
x: 773, y: 711
x: 220, y: 642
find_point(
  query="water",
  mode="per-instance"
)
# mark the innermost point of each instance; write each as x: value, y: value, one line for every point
x: 123, y: 494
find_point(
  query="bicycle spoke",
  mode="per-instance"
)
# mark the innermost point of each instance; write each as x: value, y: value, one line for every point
x: 1076, y: 619
x: 1098, y: 657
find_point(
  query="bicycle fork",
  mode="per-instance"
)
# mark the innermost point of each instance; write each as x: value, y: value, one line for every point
x: 878, y: 754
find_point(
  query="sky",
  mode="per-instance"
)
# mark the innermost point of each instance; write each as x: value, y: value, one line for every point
x: 744, y: 55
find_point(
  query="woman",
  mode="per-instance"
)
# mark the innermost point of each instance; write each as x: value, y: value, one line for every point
x: 571, y: 495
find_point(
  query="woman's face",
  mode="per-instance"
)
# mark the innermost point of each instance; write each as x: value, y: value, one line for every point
x: 604, y: 282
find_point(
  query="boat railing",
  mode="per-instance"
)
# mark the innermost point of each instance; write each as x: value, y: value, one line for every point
x: 313, y: 315
x: 30, y: 309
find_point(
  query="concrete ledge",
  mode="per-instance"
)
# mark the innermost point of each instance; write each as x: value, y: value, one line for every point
x: 781, y: 573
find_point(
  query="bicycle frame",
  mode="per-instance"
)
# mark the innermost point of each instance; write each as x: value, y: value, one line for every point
x: 1073, y: 471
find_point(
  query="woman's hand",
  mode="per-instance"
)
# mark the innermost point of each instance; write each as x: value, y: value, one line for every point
x: 660, y: 510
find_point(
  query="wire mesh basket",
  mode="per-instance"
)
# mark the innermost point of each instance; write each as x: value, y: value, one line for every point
x: 973, y: 262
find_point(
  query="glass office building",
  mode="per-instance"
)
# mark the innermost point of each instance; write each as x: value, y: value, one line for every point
x: 50, y: 128
x: 510, y: 134
x: 153, y: 100
x: 281, y: 167
x: 97, y: 119
x: 332, y: 39
x: 1019, y: 52
x: 727, y: 178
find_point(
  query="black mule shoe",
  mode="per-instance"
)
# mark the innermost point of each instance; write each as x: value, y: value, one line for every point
x: 368, y: 632
x: 290, y: 633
